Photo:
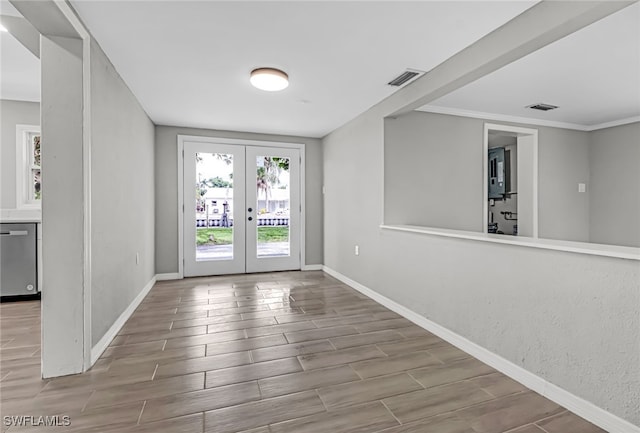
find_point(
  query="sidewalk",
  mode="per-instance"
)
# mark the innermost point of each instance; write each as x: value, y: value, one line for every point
x: 225, y: 252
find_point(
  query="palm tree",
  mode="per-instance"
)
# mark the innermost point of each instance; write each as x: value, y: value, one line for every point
x: 268, y: 176
x: 228, y: 159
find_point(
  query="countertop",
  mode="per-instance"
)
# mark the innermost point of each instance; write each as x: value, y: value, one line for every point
x: 20, y: 216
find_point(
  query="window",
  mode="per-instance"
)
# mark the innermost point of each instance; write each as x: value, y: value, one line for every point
x: 28, y: 169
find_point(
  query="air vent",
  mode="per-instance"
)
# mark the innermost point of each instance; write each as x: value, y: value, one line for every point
x: 405, y: 77
x: 542, y: 107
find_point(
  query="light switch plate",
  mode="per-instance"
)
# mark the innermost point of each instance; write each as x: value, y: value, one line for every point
x: 582, y: 187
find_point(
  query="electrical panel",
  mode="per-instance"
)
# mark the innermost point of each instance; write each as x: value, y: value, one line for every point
x: 497, y: 173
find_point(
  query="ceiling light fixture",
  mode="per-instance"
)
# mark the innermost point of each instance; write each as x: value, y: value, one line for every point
x: 3, y: 28
x: 269, y: 79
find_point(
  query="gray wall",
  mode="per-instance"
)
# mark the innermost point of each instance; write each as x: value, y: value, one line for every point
x: 563, y: 162
x: 615, y: 185
x: 122, y: 188
x: 12, y: 113
x: 166, y: 191
x: 433, y: 166
x: 560, y: 315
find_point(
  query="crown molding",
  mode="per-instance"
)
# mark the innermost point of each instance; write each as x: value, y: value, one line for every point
x: 526, y: 120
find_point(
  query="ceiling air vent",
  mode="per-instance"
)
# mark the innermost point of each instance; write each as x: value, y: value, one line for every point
x: 405, y: 77
x: 542, y: 107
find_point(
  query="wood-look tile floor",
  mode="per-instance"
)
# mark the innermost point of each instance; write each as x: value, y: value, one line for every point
x: 269, y: 353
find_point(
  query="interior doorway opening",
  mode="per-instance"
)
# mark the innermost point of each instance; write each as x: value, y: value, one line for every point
x: 503, y: 183
x: 511, y: 180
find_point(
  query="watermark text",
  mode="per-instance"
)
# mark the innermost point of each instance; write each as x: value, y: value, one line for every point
x: 36, y: 420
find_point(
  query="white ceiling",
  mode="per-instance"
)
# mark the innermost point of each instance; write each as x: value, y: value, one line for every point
x: 593, y: 76
x: 188, y: 63
x: 19, y: 68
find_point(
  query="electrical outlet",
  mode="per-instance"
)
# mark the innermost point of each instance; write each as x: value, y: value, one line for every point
x: 582, y: 187
x: 357, y: 250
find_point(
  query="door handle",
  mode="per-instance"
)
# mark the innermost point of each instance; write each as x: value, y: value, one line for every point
x: 250, y: 218
x: 15, y: 233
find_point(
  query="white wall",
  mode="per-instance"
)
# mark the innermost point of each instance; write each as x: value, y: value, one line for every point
x: 560, y: 315
x: 12, y: 113
x: 615, y: 185
x: 123, y: 198
x: 166, y: 184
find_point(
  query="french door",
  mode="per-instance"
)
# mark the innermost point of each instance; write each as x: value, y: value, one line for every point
x: 241, y: 208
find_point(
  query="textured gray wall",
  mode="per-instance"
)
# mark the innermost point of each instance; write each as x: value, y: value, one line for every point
x: 615, y: 185
x: 12, y: 113
x: 166, y: 164
x: 560, y: 315
x: 122, y: 207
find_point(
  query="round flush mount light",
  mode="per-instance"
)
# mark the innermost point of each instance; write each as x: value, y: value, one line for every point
x: 269, y: 79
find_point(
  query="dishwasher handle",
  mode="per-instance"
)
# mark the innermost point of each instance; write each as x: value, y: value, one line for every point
x: 15, y: 233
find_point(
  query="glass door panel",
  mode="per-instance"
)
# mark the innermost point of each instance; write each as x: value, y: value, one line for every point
x: 214, y: 206
x: 213, y: 194
x: 273, y: 199
x: 273, y: 195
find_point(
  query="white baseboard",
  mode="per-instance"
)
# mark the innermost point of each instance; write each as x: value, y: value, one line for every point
x: 165, y: 277
x: 575, y: 404
x: 96, y: 351
x: 177, y: 276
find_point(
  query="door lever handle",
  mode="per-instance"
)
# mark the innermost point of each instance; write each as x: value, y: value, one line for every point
x: 15, y: 233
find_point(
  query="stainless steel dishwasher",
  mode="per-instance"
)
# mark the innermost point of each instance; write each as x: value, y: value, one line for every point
x: 18, y: 270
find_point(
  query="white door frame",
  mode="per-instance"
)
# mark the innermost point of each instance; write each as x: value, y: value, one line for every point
x: 221, y: 140
x: 227, y: 265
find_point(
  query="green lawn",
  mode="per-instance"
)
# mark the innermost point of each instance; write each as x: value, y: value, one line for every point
x: 224, y: 236
x: 273, y: 234
x: 220, y: 236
